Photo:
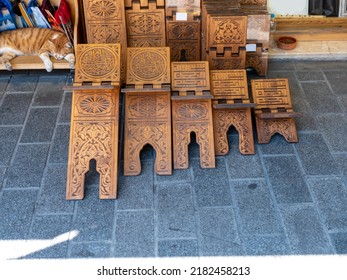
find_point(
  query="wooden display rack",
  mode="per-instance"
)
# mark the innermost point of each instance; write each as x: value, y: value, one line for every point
x: 34, y: 62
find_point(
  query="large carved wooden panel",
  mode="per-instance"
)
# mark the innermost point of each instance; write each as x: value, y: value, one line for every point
x: 231, y: 107
x: 147, y: 121
x: 191, y: 112
x: 105, y: 24
x: 94, y: 119
x: 148, y: 66
x: 273, y: 111
x: 145, y: 22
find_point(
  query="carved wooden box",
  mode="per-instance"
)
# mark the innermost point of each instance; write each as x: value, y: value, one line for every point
x: 273, y: 111
x: 145, y: 22
x: 105, y: 24
x: 94, y: 119
x: 231, y: 107
x: 147, y: 109
x: 191, y: 112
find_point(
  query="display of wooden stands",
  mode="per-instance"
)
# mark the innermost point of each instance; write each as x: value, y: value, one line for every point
x: 273, y: 111
x: 147, y: 109
x: 94, y: 119
x: 191, y: 112
x: 231, y: 107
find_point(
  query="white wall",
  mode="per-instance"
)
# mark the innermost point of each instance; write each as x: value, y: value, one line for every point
x: 288, y: 7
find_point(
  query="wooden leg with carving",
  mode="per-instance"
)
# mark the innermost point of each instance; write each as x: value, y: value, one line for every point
x: 266, y: 128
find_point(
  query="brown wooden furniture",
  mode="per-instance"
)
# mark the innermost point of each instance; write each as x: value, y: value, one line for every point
x: 273, y: 111
x: 191, y: 112
x: 94, y: 119
x: 231, y: 107
x: 147, y: 109
x: 183, y: 29
x: 145, y: 22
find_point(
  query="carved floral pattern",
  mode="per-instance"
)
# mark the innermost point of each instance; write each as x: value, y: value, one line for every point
x: 105, y: 34
x: 104, y: 9
x: 268, y: 127
x: 258, y: 62
x: 144, y: 23
x: 228, y: 31
x: 183, y: 31
x: 94, y: 104
x: 148, y: 106
x: 192, y: 111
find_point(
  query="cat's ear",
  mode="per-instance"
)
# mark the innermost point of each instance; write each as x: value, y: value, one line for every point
x: 68, y: 45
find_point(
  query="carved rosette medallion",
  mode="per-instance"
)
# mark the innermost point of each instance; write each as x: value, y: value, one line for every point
x: 183, y: 30
x: 98, y: 63
x: 96, y: 104
x: 228, y: 31
x: 102, y: 9
x: 192, y: 111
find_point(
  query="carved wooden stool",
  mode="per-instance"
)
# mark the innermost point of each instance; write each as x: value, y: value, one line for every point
x: 105, y: 24
x: 94, y: 119
x: 231, y: 107
x: 273, y: 111
x: 191, y: 112
x: 147, y: 109
x: 145, y: 22
x: 183, y: 29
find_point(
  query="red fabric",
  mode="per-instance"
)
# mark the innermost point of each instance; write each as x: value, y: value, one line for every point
x: 62, y: 12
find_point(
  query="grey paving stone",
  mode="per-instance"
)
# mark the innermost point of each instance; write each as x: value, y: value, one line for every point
x: 339, y: 241
x: 21, y: 83
x: 302, y: 65
x: 334, y: 128
x: 337, y: 80
x: 218, y: 233
x: 94, y: 219
x: 90, y: 250
x: 40, y: 125
x: 343, y: 101
x: 14, y: 108
x: 341, y: 161
x: 28, y: 166
x: 49, y: 90
x: 287, y: 180
x: 310, y: 76
x: 60, y: 147
x: 137, y: 192
x: 134, y: 234
x: 9, y: 137
x: 65, y: 114
x: 3, y: 84
x: 52, y: 196
x: 211, y: 185
x: 177, y: 176
x: 176, y: 218
x: 256, y: 208
x: 331, y: 197
x: 305, y: 122
x: 320, y: 98
x: 281, y: 65
x: 2, y: 175
x: 16, y: 211
x: 277, y: 146
x: 236, y: 163
x: 304, y: 230
x: 315, y: 155
x: 44, y: 230
x: 177, y: 248
x: 266, y: 245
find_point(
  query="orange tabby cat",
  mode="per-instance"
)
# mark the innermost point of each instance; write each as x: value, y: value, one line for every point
x: 43, y: 42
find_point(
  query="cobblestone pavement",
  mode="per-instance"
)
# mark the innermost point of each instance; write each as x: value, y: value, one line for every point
x: 287, y: 199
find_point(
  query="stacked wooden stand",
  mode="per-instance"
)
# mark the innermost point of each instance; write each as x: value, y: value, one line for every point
x: 189, y: 77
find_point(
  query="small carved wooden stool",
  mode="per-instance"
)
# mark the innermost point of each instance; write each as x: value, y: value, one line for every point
x: 94, y: 119
x: 273, y: 111
x: 191, y: 112
x: 231, y: 107
x: 147, y: 109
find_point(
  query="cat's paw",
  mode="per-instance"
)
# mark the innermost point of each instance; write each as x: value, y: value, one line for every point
x: 49, y: 66
x: 71, y: 59
x: 8, y: 66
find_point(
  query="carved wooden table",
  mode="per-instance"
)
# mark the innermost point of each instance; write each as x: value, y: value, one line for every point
x: 105, y: 24
x: 273, y: 111
x: 183, y: 29
x: 145, y: 22
x: 191, y: 112
x: 231, y: 107
x: 94, y: 119
x: 147, y: 109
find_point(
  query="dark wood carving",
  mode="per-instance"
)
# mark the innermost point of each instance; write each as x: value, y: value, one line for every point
x: 231, y: 107
x: 147, y: 109
x: 94, y: 119
x: 191, y: 112
x: 273, y: 111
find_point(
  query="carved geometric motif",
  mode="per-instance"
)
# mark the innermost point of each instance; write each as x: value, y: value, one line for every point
x: 102, y: 9
x: 97, y: 62
x: 105, y: 33
x: 259, y: 62
x: 221, y: 63
x: 148, y: 106
x: 144, y: 24
x: 94, y: 104
x: 183, y: 30
x: 148, y: 66
x: 184, y: 50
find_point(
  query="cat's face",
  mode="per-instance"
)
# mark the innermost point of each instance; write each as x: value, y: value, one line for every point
x: 60, y: 46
